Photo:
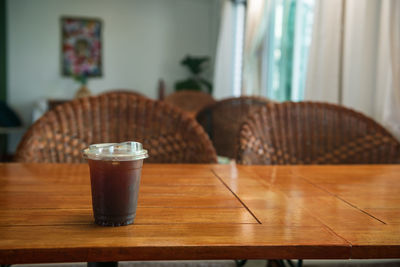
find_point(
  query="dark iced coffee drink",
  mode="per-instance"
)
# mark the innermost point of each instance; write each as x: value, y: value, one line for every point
x: 115, y: 171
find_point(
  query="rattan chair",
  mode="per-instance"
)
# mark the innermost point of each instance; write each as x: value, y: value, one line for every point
x: 222, y: 121
x: 122, y: 91
x: 314, y: 133
x: 190, y: 101
x: 169, y: 135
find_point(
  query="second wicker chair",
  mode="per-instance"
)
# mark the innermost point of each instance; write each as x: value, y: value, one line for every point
x: 190, y: 101
x: 168, y: 134
x: 222, y: 121
x: 314, y: 133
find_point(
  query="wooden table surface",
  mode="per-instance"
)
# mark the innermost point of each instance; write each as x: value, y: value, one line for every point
x: 204, y: 212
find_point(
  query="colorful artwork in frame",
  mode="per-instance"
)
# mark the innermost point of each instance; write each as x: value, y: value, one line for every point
x: 81, y: 47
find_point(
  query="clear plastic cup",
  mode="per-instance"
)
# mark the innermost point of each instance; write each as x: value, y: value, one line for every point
x: 115, y: 170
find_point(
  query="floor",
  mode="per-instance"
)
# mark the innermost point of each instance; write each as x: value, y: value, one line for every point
x: 229, y: 263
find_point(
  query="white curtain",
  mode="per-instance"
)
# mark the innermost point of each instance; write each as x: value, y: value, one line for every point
x: 257, y: 22
x: 387, y: 109
x: 359, y: 68
x: 223, y: 75
x: 324, y: 56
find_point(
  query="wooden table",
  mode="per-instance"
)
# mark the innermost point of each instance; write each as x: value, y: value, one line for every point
x: 204, y: 212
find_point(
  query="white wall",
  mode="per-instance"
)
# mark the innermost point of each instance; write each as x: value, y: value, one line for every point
x: 143, y: 40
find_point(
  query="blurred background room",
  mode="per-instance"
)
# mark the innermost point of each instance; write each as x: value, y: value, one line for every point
x: 227, y: 58
x: 339, y: 51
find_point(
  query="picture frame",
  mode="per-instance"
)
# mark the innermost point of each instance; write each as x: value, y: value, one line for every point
x: 81, y: 47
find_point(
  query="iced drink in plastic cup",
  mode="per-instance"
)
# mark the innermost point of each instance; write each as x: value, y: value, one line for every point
x: 115, y: 170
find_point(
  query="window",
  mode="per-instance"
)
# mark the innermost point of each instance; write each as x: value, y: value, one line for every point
x: 239, y: 28
x: 286, y: 49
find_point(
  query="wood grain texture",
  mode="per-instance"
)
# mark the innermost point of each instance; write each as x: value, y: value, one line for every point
x: 161, y: 215
x: 186, y: 241
x: 203, y: 212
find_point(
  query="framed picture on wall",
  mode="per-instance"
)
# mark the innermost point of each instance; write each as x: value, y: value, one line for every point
x: 81, y: 47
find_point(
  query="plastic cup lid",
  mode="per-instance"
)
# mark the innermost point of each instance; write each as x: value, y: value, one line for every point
x: 116, y: 151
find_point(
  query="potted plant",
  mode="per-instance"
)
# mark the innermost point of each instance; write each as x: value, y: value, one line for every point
x: 196, y: 67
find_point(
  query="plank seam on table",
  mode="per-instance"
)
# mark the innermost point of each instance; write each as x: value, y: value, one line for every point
x: 236, y: 196
x: 350, y: 243
x: 343, y: 200
x: 340, y: 198
x: 311, y: 214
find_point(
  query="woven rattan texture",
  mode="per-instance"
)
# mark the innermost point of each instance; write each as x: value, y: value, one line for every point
x: 122, y: 91
x: 222, y: 121
x: 168, y: 134
x: 314, y: 133
x: 190, y: 101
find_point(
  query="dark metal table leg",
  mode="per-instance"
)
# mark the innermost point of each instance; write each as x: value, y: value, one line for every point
x: 300, y: 263
x: 240, y: 263
x: 103, y: 264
